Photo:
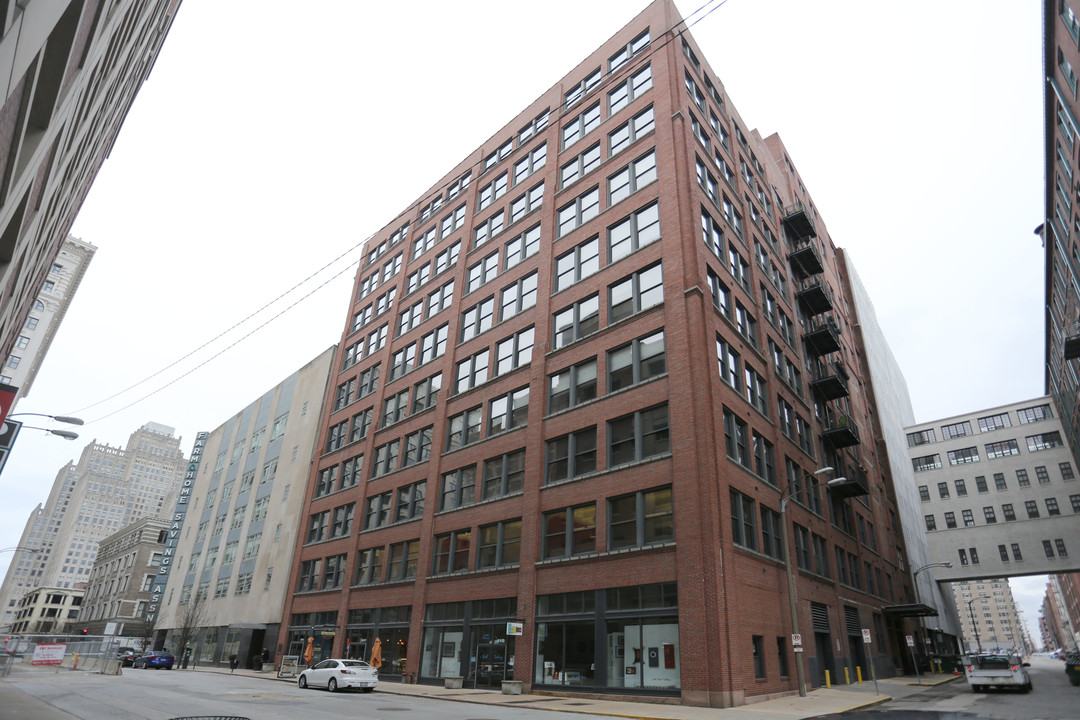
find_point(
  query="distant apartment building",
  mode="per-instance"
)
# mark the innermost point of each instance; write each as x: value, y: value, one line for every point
x: 243, y: 516
x: 579, y: 380
x: 50, y: 306
x: 989, y: 616
x: 118, y: 590
x: 107, y: 489
x: 1061, y: 612
x: 998, y: 491
x: 47, y: 610
x: 69, y: 72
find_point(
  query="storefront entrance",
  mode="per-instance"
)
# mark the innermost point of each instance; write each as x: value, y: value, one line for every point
x: 490, y: 666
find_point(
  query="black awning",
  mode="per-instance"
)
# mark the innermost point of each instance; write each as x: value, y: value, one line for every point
x: 912, y: 610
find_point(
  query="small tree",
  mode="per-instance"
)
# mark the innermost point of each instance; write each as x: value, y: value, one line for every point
x: 145, y: 632
x: 192, y: 618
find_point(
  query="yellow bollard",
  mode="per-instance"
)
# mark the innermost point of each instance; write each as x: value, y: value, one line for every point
x: 858, y: 673
x: 828, y: 682
x: 847, y: 677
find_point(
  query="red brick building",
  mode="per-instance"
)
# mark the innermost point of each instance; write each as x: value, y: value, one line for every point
x: 577, y: 378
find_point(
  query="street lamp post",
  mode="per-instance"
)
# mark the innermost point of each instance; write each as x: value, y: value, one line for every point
x: 975, y: 627
x: 793, y: 608
x: 915, y: 577
x: 66, y: 434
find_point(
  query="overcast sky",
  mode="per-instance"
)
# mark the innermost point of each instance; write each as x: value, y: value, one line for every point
x: 270, y: 140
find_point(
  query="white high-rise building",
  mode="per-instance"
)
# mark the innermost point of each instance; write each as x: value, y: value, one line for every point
x: 989, y: 616
x: 108, y: 488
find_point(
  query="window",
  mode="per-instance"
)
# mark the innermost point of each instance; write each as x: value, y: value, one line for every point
x: 336, y: 436
x: 1052, y: 507
x: 633, y: 48
x: 728, y: 362
x: 402, y: 560
x: 746, y: 324
x: 961, y: 488
x: 577, y: 263
x: 999, y: 482
x: 989, y: 515
x: 1022, y: 478
x: 1066, y: 471
x: 570, y: 531
x: 721, y: 296
x: 417, y: 447
x: 533, y: 161
x: 950, y: 520
x: 581, y: 125
x: 369, y: 566
x: 1034, y: 414
x: 317, y: 525
x: 309, y: 575
x: 921, y: 437
x: 994, y: 422
x: 1002, y: 449
x: 924, y: 493
x: 471, y: 372
x: 572, y: 386
x: 980, y: 484
x: 1042, y: 475
x: 637, y: 361
x: 341, y: 525
x: 960, y: 429
x: 410, y: 318
x: 931, y: 524
x: 770, y: 534
x: 635, y: 232
x: 1060, y: 545
x: 433, y: 344
x: 477, y: 319
x: 1007, y: 512
x: 571, y: 455
x: 503, y: 475
x: 526, y: 203
x: 575, y: 322
x: 514, y: 352
x: 1048, y: 548
x: 458, y: 488
x: 629, y: 132
x: 463, y: 429
x: 539, y: 123
x: 708, y: 182
x: 496, y: 157
x: 927, y: 462
x: 1032, y: 509
x: 410, y: 501
x: 360, y: 423
x: 1044, y: 441
x: 580, y: 166
x: 489, y: 228
x: 395, y: 407
x: 764, y: 462
x: 523, y: 246
x: 641, y: 519
x: 445, y: 260
x: 350, y: 471
x: 482, y: 272
x: 1016, y: 552
x: 638, y: 436
x: 756, y: 390
x: 758, y: 644
x: 499, y: 544
x: 638, y: 292
x: 634, y: 87
x: 969, y: 519
x: 583, y: 88
x: 452, y: 552
x: 386, y: 458
x: 575, y: 214
x: 737, y: 438
x: 423, y: 242
x: 377, y: 512
x: 426, y: 392
x: 965, y: 455
x: 943, y: 490
x: 508, y: 411
x: 743, y: 520
x: 518, y: 297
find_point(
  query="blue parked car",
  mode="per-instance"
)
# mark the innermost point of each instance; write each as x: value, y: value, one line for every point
x: 155, y: 659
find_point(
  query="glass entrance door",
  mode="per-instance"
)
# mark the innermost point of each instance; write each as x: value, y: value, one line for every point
x: 490, y: 668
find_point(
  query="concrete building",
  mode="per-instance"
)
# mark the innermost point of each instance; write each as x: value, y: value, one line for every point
x: 579, y: 381
x: 998, y: 490
x: 69, y: 72
x: 118, y: 590
x: 243, y: 515
x: 107, y: 489
x: 1060, y: 620
x: 989, y: 616
x: 47, y: 610
x: 39, y: 329
x: 938, y: 629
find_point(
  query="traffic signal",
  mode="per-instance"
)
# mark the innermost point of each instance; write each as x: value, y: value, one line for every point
x: 85, y: 631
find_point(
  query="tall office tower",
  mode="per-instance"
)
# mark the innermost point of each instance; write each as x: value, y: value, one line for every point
x: 235, y: 547
x: 69, y: 72
x: 108, y: 488
x: 39, y: 329
x: 989, y: 616
x: 1061, y: 225
x: 579, y: 381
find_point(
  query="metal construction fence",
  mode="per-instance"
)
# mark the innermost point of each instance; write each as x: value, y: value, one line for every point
x: 86, y: 653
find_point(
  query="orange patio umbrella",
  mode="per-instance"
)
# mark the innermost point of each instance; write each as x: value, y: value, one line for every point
x: 376, y: 654
x: 309, y: 652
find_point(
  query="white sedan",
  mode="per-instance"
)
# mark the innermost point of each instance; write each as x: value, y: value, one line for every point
x: 344, y: 674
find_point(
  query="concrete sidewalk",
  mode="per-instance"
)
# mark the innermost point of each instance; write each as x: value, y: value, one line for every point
x: 822, y: 701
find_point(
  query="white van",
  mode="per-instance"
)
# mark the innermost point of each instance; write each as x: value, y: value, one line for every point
x: 1002, y: 670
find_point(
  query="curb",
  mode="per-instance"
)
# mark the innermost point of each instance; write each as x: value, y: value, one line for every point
x: 936, y: 682
x: 862, y: 706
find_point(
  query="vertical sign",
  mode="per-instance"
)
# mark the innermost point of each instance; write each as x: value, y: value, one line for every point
x: 172, y: 538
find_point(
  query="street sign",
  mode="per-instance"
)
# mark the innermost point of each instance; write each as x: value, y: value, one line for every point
x: 866, y: 635
x: 796, y: 639
x: 514, y: 628
x: 797, y: 648
x: 910, y: 641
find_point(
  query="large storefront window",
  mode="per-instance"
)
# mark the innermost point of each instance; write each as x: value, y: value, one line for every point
x: 321, y: 627
x: 468, y: 639
x: 391, y: 626
x: 616, y: 638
